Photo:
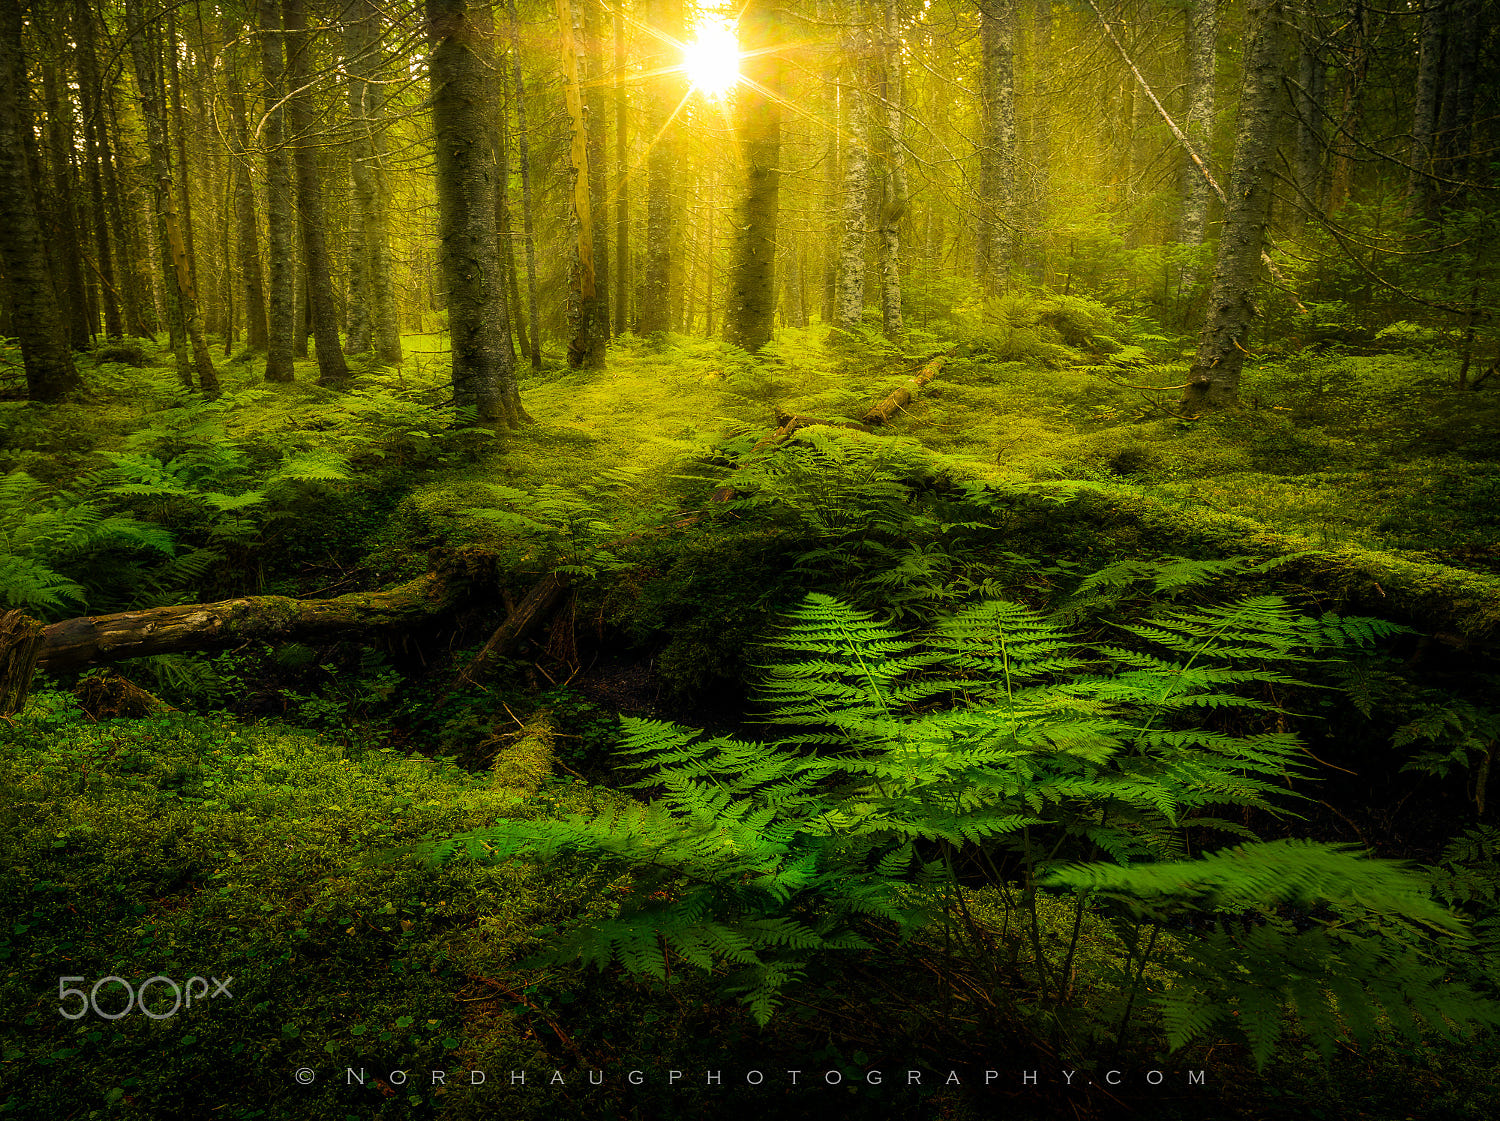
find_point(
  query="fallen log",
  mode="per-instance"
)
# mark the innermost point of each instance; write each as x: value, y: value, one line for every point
x: 93, y: 639
x: 900, y: 397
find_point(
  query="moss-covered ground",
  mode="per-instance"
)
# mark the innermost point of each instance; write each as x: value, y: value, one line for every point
x: 255, y: 829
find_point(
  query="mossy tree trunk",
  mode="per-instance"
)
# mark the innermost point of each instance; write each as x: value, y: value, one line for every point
x: 997, y: 155
x: 332, y: 369
x: 181, y: 295
x: 849, y: 306
x: 1200, y: 36
x: 281, y: 237
x: 50, y: 373
x: 461, y: 74
x: 750, y: 311
x: 1213, y: 381
x: 664, y: 92
x: 523, y: 153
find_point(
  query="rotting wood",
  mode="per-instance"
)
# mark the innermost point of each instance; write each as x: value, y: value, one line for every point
x: 20, y: 643
x: 879, y: 413
x: 518, y: 624
x: 92, y: 639
x: 902, y: 395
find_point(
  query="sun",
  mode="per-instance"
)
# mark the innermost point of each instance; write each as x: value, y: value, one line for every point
x: 712, y: 60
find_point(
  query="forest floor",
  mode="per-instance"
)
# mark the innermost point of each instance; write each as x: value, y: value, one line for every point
x: 251, y: 822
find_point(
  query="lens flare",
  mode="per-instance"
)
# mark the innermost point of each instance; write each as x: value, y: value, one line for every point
x: 712, y: 60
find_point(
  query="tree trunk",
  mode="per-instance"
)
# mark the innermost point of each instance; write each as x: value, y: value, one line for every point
x: 50, y: 373
x: 1200, y: 37
x: 596, y: 129
x: 849, y: 307
x: 462, y: 117
x: 91, y: 99
x: 332, y: 369
x: 1425, y: 107
x: 182, y: 297
x: 1213, y: 381
x: 1312, y: 80
x: 504, y: 241
x: 665, y: 91
x: 622, y: 180
x: 1357, y: 29
x: 1456, y: 116
x: 95, y: 639
x: 749, y: 315
x: 997, y: 158
x: 67, y: 247
x: 281, y: 236
x: 247, y: 230
x: 523, y: 150
x: 893, y: 205
x: 884, y: 410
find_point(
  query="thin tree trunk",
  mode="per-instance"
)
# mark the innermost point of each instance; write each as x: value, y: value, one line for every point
x: 893, y: 208
x: 622, y: 181
x: 1352, y: 111
x: 91, y: 98
x: 332, y: 369
x: 503, y: 233
x: 63, y: 206
x: 997, y: 162
x: 523, y: 150
x: 1213, y: 381
x: 48, y: 362
x: 1200, y: 37
x: 750, y: 311
x: 182, y: 298
x: 460, y: 71
x: 591, y: 58
x: 247, y: 228
x: 1312, y: 78
x: 1425, y: 106
x: 849, y: 305
x: 665, y: 91
x: 281, y: 236
x: 1041, y: 123
x: 582, y: 294
x: 1456, y: 116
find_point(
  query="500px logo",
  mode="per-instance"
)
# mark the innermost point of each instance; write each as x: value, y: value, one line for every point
x: 196, y: 988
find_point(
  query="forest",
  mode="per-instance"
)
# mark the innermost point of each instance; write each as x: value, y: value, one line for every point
x: 646, y: 559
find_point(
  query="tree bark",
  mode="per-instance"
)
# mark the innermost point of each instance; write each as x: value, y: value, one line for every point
x: 622, y: 181
x: 596, y: 129
x: 247, y: 230
x: 997, y: 159
x: 750, y: 313
x: 582, y: 294
x: 665, y: 91
x: 181, y: 295
x: 1200, y: 37
x: 523, y: 150
x: 281, y: 237
x: 1213, y: 380
x: 63, y: 207
x: 91, y: 97
x: 849, y: 305
x: 901, y: 396
x: 1312, y: 80
x: 1425, y: 107
x: 50, y: 373
x: 95, y: 639
x: 332, y: 369
x: 893, y: 205
x: 462, y: 118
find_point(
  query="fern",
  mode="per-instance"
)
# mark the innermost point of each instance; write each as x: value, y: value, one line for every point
x: 52, y: 547
x: 1000, y: 733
